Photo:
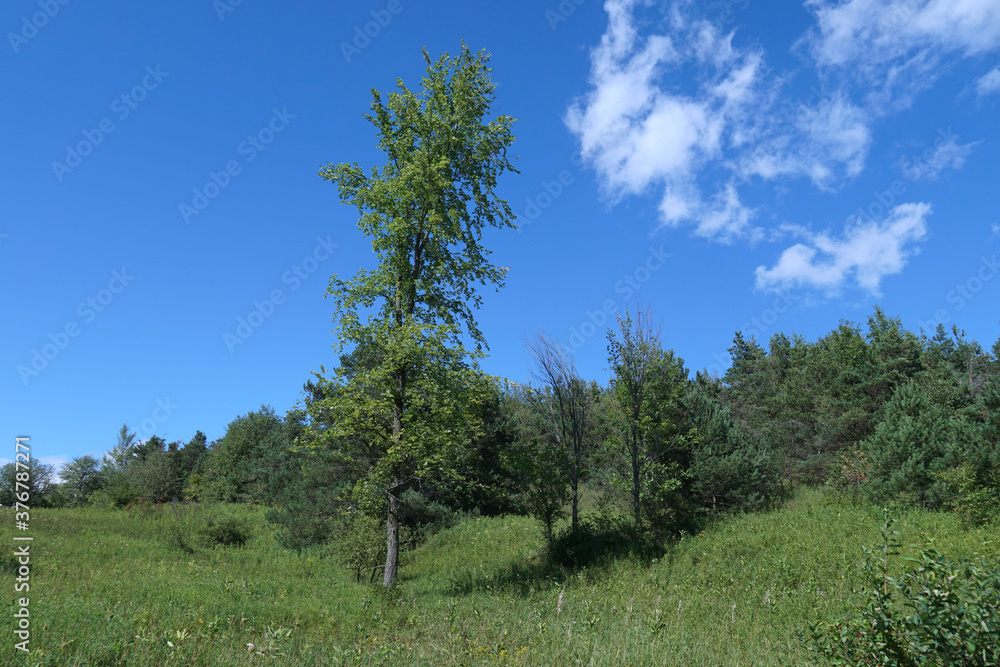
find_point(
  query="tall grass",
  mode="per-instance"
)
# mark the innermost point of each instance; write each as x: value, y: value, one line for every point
x: 146, y: 586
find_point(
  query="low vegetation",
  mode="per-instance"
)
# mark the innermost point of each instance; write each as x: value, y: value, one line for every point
x: 116, y: 588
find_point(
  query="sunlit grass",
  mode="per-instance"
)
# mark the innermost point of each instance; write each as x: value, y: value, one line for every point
x: 119, y: 588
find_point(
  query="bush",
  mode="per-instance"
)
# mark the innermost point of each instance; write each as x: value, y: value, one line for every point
x: 227, y: 532
x: 361, y: 545
x: 947, y: 613
x: 975, y: 497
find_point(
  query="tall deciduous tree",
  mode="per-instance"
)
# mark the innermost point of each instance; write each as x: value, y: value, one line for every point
x: 81, y: 478
x: 424, y: 211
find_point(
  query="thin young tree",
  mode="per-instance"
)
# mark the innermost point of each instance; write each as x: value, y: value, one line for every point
x: 567, y: 406
x: 424, y: 211
x: 633, y: 355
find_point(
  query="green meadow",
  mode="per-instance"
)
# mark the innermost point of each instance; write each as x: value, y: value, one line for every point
x: 137, y: 587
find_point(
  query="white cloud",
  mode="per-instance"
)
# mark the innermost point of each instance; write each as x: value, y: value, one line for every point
x: 677, y: 110
x: 865, y: 252
x: 639, y: 130
x: 995, y: 228
x: 946, y: 154
x: 637, y: 133
x: 825, y: 143
x: 872, y: 32
x: 897, y: 45
x: 725, y: 218
x: 989, y: 82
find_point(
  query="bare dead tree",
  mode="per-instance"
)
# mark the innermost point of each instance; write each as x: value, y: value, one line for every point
x: 569, y: 410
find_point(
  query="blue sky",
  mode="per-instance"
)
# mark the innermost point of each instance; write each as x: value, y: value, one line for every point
x: 735, y: 165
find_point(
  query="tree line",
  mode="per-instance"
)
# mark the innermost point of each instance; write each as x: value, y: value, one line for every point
x: 878, y: 412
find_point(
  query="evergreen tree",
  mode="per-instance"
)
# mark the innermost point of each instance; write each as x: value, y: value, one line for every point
x: 927, y: 428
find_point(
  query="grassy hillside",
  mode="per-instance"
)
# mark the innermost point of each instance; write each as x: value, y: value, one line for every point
x: 137, y: 588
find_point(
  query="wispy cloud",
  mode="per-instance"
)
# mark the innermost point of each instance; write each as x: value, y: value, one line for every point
x: 989, y: 83
x: 640, y: 131
x: 896, y: 46
x: 677, y: 110
x: 947, y: 154
x: 865, y: 253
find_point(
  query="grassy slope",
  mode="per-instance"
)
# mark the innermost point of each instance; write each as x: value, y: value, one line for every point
x: 114, y: 588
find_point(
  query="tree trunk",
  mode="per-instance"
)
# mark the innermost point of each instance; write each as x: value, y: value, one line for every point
x: 636, y: 485
x: 574, y: 483
x: 391, y: 541
x: 392, y: 520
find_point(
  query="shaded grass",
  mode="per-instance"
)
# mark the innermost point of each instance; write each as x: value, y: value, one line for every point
x: 113, y: 588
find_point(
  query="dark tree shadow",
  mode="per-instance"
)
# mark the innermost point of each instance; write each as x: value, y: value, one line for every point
x: 595, y: 546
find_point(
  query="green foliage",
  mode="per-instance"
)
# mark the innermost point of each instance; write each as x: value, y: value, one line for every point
x: 538, y: 458
x: 360, y: 543
x: 943, y: 612
x: 227, y: 532
x: 156, y: 477
x: 312, y: 498
x: 415, y: 405
x: 240, y: 465
x: 926, y: 429
x: 487, y: 480
x: 974, y: 495
x: 82, y: 477
x: 38, y: 481
x: 602, y: 539
x: 730, y: 469
x: 646, y: 386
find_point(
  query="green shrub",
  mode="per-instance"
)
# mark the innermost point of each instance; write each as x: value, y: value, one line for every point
x: 227, y: 532
x: 361, y: 543
x: 941, y: 613
x: 976, y: 497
